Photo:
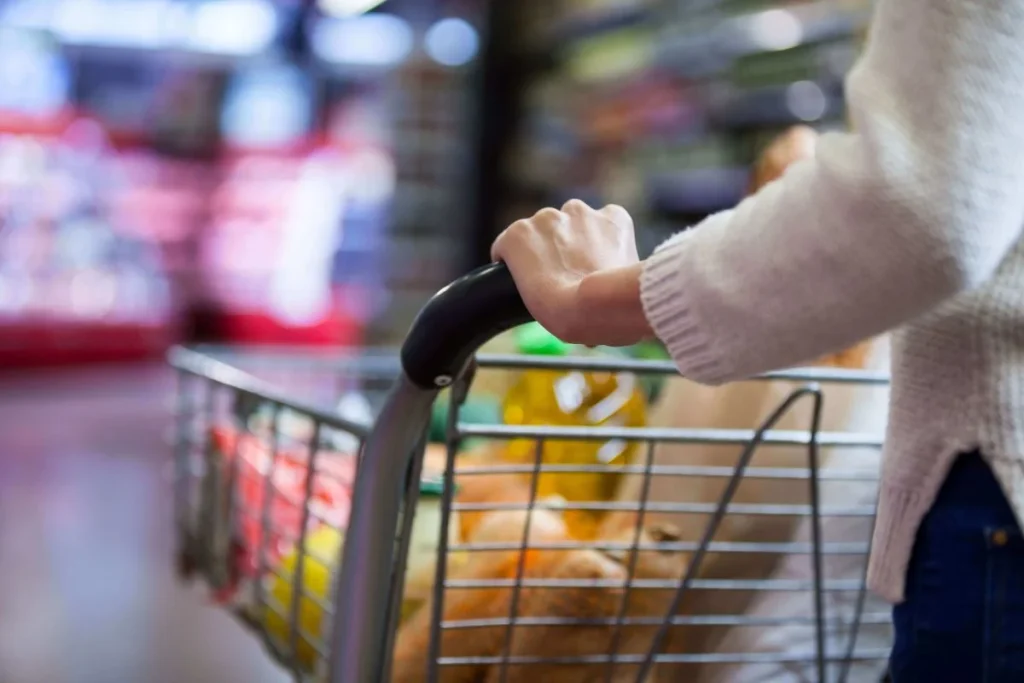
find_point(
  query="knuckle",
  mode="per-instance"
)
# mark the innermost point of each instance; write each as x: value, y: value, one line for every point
x: 617, y: 214
x: 575, y: 206
x: 549, y: 215
x: 516, y: 229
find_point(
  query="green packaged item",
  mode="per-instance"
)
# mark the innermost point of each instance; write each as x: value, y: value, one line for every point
x: 534, y: 340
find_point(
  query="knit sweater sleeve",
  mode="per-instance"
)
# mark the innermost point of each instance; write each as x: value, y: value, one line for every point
x: 920, y: 202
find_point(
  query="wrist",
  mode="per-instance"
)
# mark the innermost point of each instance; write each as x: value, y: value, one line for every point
x: 610, y: 310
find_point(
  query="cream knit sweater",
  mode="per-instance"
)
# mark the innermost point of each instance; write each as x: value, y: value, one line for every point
x: 913, y: 222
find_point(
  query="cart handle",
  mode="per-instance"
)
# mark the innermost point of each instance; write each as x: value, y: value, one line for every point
x: 446, y: 333
x: 457, y: 321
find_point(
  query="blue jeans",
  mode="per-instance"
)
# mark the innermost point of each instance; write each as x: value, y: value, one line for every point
x: 963, y: 618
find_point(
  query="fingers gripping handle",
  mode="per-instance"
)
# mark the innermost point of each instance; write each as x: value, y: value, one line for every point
x: 457, y: 321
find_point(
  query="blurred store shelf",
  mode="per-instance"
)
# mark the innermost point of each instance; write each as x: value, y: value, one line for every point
x: 635, y: 94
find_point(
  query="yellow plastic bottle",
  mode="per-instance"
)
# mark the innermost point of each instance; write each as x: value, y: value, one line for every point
x: 561, y: 398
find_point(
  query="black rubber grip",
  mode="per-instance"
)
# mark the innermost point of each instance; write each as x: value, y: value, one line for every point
x: 457, y: 321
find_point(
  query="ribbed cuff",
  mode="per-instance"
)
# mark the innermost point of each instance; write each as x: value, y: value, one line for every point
x: 669, y: 308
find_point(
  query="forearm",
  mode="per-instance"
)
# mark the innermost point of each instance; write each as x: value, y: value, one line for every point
x: 921, y: 202
x: 613, y: 296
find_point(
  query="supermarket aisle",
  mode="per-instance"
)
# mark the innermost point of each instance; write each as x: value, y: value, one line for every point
x: 87, y: 591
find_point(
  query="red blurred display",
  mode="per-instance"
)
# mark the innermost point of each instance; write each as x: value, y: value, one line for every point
x: 84, y: 272
x: 282, y: 215
x: 116, y: 222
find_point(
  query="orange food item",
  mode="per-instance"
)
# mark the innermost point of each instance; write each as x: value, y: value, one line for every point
x: 412, y: 643
x: 476, y: 606
x: 495, y: 489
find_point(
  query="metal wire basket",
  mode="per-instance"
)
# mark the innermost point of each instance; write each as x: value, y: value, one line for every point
x: 258, y: 520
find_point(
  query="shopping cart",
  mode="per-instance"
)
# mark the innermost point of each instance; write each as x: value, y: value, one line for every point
x: 347, y: 630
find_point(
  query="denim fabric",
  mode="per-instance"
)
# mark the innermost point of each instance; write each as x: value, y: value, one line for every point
x: 963, y: 619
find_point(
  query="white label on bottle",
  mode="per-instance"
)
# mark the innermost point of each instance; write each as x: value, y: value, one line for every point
x: 570, y: 391
x: 613, y: 402
x: 611, y: 450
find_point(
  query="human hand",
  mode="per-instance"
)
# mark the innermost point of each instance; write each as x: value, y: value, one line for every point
x: 578, y: 273
x: 795, y: 144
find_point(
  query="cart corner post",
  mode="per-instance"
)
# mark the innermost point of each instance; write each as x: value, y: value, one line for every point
x: 445, y: 335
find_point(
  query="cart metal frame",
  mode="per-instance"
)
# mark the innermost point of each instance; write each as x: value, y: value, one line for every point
x: 438, y: 354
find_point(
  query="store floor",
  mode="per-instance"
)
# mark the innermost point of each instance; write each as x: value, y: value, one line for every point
x: 87, y: 589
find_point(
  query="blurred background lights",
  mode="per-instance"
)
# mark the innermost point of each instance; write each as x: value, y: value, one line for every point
x: 776, y: 29
x: 26, y: 14
x: 233, y: 27
x: 93, y: 293
x: 15, y: 292
x: 806, y: 100
x: 373, y: 175
x: 367, y: 40
x: 452, y: 42
x: 122, y: 24
x: 33, y: 80
x: 348, y: 8
x: 266, y: 107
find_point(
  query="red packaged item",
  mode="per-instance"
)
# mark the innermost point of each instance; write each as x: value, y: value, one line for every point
x: 329, y: 504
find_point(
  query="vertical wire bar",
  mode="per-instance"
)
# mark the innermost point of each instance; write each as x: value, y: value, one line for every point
x: 645, y: 492
x: 298, y: 577
x: 816, y: 540
x: 182, y: 449
x: 521, y: 562
x: 712, y: 528
x: 210, y: 486
x: 453, y: 439
x: 858, y: 611
x: 401, y: 553
x: 269, y: 495
x: 227, y: 530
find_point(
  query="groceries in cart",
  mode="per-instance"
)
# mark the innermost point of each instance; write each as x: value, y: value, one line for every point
x: 565, y: 553
x: 572, y: 399
x: 283, y: 497
x: 586, y: 587
x: 322, y: 550
x: 275, y: 494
